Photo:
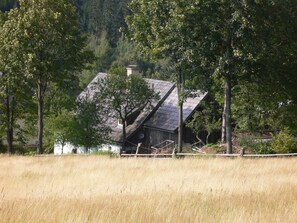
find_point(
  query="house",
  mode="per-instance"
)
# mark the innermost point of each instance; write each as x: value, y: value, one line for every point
x: 154, y: 124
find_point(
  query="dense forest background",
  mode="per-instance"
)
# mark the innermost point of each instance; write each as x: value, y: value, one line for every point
x: 96, y: 16
x: 103, y: 21
x: 6, y: 5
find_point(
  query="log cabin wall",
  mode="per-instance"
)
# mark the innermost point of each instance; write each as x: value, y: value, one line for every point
x: 154, y: 136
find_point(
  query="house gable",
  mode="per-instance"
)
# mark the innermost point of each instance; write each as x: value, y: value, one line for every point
x: 167, y: 116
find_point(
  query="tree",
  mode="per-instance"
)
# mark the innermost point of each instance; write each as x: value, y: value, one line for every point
x: 267, y: 98
x: 90, y: 129
x: 102, y: 51
x: 49, y: 47
x: 59, y: 129
x: 157, y: 27
x: 223, y: 44
x: 125, y: 53
x: 124, y: 95
x: 99, y: 16
x: 284, y: 142
x: 277, y: 61
x: 249, y: 43
x: 15, y: 94
x: 207, y: 118
x: 250, y: 111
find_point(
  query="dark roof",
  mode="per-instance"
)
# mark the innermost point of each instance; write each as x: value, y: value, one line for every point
x: 164, y: 88
x: 90, y: 90
x: 163, y: 114
x: 166, y: 117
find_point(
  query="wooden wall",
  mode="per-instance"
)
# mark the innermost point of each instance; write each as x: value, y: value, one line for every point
x: 154, y: 136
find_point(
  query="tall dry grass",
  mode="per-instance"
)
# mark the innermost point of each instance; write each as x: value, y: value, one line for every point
x: 100, y: 189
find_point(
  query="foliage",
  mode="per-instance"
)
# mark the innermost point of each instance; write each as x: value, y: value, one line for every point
x: 247, y: 141
x: 59, y: 129
x: 268, y: 97
x: 206, y: 37
x: 207, y: 118
x: 89, y: 129
x: 123, y: 54
x: 99, y: 16
x: 58, y: 99
x: 124, y: 95
x: 249, y: 110
x: 259, y: 146
x: 103, y: 52
x: 126, y: 53
x: 161, y: 35
x: 15, y: 93
x: 226, y: 41
x: 284, y: 142
x: 47, y: 46
x: 263, y: 148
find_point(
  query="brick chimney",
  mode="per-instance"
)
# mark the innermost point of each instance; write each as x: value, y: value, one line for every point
x: 132, y: 70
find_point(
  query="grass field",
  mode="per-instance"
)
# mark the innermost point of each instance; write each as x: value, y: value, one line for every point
x: 100, y: 189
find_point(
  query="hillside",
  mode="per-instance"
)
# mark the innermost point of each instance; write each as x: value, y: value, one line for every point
x: 96, y: 16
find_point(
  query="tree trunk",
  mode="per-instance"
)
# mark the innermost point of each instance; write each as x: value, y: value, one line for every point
x: 9, y: 125
x: 207, y: 137
x: 180, y: 128
x: 180, y: 92
x: 62, y: 149
x: 124, y: 136
x: 40, y: 117
x: 9, y: 140
x: 200, y: 140
x: 227, y: 106
x: 228, y: 115
x: 223, y: 136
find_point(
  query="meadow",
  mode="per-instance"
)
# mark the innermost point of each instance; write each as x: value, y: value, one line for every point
x: 103, y: 189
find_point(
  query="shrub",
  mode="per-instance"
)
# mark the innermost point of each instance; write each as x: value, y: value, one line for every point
x: 247, y: 141
x: 258, y: 146
x: 284, y: 142
x: 263, y: 148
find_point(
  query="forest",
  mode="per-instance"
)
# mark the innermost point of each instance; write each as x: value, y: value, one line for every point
x: 242, y: 52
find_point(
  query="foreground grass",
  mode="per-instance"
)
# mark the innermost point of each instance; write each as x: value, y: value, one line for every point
x: 99, y: 189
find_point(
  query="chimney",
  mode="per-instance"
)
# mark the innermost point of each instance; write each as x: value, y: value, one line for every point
x: 132, y: 70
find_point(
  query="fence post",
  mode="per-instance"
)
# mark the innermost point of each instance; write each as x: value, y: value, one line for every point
x: 242, y: 151
x: 173, y: 152
x: 137, y: 148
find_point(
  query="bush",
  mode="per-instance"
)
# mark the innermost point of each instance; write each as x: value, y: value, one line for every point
x: 263, y: 148
x: 284, y: 142
x: 247, y: 141
x: 258, y: 146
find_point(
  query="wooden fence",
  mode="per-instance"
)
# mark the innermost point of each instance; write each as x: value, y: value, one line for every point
x: 173, y: 155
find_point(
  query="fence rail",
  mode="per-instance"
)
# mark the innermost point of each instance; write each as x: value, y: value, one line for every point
x: 237, y: 155
x: 209, y: 155
x: 152, y: 155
